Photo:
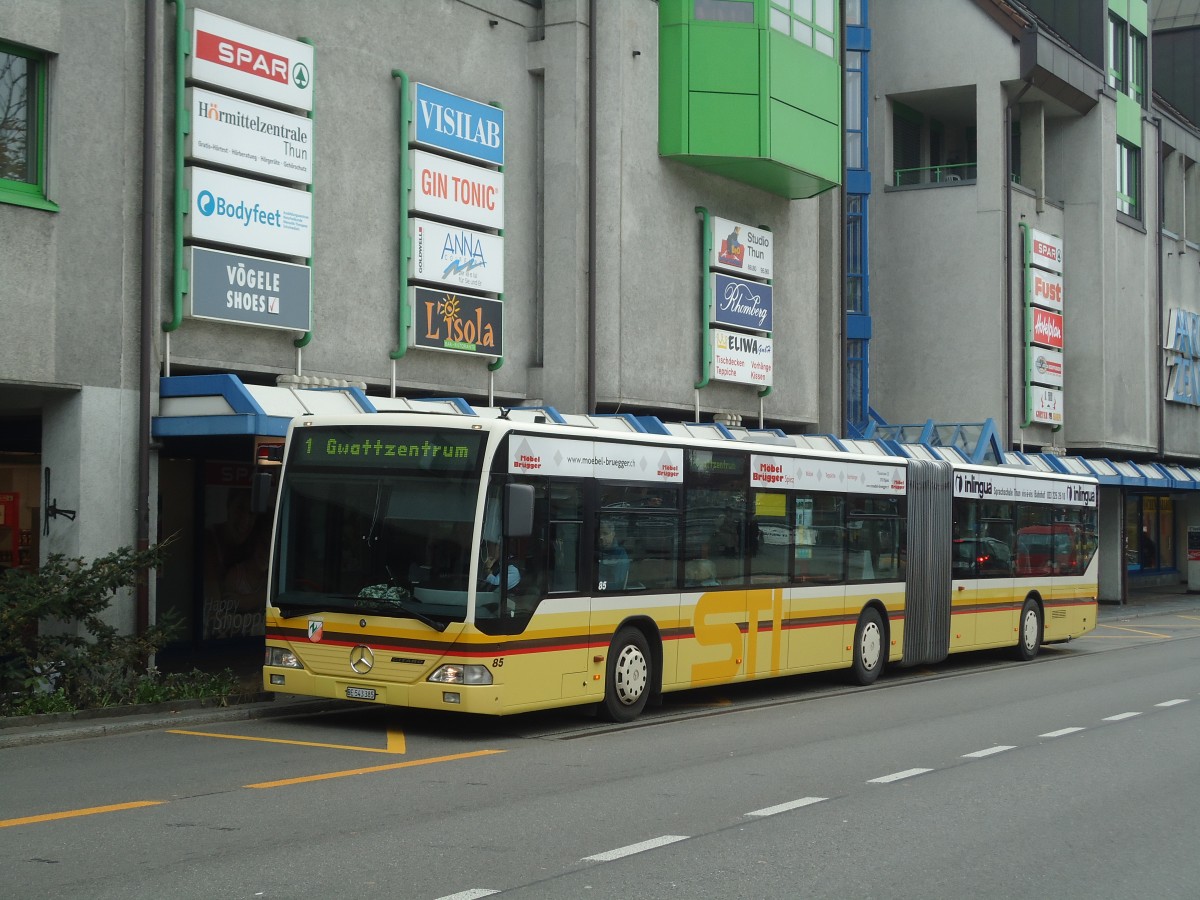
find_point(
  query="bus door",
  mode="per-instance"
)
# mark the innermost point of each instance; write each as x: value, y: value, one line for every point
x: 964, y: 576
x: 818, y: 598
x: 540, y: 653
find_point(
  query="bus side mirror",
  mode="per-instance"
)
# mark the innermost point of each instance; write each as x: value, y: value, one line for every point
x: 518, y: 510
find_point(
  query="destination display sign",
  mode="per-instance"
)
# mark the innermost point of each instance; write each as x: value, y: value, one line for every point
x: 415, y: 449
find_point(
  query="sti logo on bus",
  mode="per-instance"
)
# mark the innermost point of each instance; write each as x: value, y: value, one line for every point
x: 969, y: 484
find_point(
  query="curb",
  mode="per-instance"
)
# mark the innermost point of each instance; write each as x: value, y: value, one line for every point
x: 118, y: 720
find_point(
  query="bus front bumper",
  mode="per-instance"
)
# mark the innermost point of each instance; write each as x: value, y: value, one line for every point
x: 469, y: 698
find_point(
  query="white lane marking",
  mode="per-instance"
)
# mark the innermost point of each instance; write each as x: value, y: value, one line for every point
x: 1061, y: 732
x: 785, y: 807
x: 610, y: 855
x: 897, y: 776
x: 1119, y: 716
x: 980, y: 754
x: 1171, y: 703
x: 472, y: 894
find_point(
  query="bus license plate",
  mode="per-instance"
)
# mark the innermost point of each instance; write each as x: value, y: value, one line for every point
x: 357, y: 693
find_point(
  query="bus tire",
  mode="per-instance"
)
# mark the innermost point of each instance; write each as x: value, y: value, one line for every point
x: 1029, y: 631
x: 628, y: 681
x: 869, y: 647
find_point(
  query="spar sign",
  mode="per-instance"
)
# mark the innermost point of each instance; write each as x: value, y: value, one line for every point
x: 244, y: 60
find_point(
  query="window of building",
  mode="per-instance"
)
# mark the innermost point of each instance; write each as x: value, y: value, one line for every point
x: 1137, y: 67
x: 855, y: 139
x: 1117, y: 46
x: 1014, y: 152
x: 856, y: 385
x: 724, y: 10
x: 855, y: 255
x: 811, y: 22
x: 22, y: 127
x: 1149, y: 532
x: 1128, y: 180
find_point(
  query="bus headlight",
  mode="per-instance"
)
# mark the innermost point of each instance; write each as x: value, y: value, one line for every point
x: 281, y: 656
x: 456, y: 674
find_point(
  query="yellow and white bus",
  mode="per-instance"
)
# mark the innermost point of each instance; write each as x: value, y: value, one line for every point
x: 500, y: 561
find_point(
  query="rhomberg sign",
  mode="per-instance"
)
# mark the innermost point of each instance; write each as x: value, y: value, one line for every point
x: 456, y: 322
x: 246, y: 60
x: 738, y: 303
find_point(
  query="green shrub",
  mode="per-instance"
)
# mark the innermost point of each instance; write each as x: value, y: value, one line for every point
x: 96, y: 666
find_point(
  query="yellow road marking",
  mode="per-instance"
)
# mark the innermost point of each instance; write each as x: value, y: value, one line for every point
x: 72, y: 813
x: 395, y: 741
x: 1137, y: 631
x: 370, y: 769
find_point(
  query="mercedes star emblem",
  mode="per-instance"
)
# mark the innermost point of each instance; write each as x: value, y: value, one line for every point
x: 362, y: 659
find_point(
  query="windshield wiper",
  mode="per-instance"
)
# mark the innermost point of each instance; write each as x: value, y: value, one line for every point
x: 395, y: 605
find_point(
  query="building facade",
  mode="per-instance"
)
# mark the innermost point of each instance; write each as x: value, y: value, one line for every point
x: 215, y: 217
x: 1031, y: 258
x: 814, y: 216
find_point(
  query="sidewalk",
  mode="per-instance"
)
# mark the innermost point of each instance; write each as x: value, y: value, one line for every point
x: 1152, y: 602
x: 18, y: 732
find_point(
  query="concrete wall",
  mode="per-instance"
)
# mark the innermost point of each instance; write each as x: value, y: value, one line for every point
x: 937, y: 277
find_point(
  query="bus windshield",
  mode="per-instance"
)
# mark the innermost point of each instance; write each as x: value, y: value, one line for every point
x: 377, y: 521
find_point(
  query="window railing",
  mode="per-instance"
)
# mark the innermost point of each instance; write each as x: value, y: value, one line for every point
x: 948, y: 174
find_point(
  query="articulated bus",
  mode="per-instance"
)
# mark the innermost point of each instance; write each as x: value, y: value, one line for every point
x: 504, y: 560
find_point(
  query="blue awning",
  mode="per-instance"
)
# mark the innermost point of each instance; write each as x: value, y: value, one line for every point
x: 222, y: 404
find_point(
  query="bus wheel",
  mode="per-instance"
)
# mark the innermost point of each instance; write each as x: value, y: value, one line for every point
x: 627, y: 687
x: 1029, y: 631
x: 868, y: 647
